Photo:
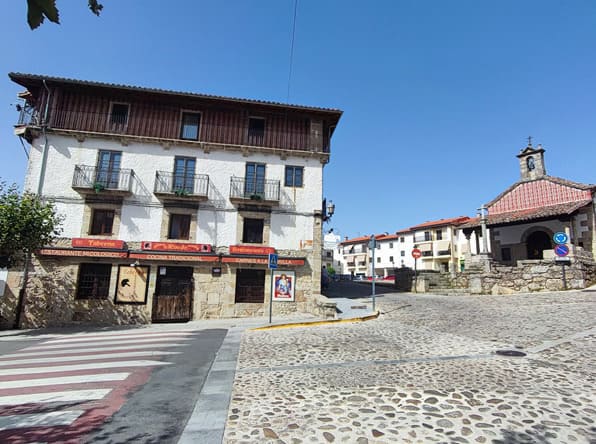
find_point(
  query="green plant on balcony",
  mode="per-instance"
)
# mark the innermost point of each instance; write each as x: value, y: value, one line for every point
x: 98, y: 186
x: 256, y: 196
x: 181, y: 192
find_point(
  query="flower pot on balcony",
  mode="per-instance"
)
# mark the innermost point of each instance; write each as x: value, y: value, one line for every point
x: 181, y: 192
x: 98, y: 187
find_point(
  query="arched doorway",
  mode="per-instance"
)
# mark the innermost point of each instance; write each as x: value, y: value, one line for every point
x: 536, y: 243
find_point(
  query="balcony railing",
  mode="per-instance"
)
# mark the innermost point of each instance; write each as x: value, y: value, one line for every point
x: 422, y: 238
x: 176, y: 185
x: 257, y: 190
x: 96, y: 179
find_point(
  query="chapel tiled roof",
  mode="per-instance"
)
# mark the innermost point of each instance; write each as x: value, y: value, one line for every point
x: 528, y: 214
x: 546, y: 189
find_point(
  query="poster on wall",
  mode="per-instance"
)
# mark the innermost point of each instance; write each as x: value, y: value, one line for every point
x: 283, y: 285
x: 132, y: 284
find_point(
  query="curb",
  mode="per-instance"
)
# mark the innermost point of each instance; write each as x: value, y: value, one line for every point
x: 317, y: 323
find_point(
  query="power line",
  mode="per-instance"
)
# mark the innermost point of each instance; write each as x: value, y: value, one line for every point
x: 292, y: 49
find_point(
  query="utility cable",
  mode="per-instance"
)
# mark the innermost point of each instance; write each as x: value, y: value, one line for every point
x: 292, y: 49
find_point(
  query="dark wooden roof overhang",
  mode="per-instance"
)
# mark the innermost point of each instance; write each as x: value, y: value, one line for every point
x: 34, y: 83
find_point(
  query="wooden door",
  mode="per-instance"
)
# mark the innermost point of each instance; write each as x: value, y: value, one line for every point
x: 173, y: 294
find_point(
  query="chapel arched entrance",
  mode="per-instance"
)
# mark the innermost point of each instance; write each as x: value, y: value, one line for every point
x: 536, y: 243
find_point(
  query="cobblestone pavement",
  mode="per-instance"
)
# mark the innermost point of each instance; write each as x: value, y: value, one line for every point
x: 425, y: 371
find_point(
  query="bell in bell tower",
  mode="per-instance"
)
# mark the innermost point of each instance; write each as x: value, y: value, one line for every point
x: 531, y: 162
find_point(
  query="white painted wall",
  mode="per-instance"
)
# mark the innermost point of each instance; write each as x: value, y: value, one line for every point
x: 142, y: 212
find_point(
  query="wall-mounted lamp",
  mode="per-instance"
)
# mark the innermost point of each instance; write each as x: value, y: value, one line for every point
x: 328, y: 210
x: 135, y: 263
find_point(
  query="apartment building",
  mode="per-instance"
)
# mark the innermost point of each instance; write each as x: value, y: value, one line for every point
x: 173, y: 202
x: 438, y: 242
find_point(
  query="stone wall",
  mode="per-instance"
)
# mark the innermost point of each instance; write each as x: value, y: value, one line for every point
x: 527, y: 276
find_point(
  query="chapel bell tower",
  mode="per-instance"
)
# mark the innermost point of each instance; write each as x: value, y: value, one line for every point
x: 531, y: 162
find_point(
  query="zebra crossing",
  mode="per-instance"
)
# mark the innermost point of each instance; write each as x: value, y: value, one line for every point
x: 65, y: 387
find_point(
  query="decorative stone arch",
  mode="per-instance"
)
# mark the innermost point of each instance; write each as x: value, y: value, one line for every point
x: 537, y: 239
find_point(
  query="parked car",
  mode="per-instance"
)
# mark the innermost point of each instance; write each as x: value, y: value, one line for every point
x: 389, y: 277
x: 358, y: 277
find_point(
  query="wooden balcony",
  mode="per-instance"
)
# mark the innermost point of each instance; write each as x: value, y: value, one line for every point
x: 254, y: 192
x: 109, y: 182
x: 170, y: 187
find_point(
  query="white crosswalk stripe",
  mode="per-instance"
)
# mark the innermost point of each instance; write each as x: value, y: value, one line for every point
x: 42, y: 352
x: 82, y: 357
x: 102, y: 343
x: 42, y: 375
x: 64, y: 396
x: 63, y: 380
x: 49, y: 419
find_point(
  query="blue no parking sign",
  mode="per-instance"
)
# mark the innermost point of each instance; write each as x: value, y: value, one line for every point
x: 561, y: 250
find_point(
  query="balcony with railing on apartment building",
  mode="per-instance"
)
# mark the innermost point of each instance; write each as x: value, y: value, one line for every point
x: 181, y: 187
x: 249, y: 190
x: 89, y: 179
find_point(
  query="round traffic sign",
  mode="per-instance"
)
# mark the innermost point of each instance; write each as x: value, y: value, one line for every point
x: 561, y: 250
x: 560, y: 237
x: 416, y: 253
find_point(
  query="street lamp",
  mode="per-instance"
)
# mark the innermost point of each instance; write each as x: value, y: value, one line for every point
x: 329, y: 210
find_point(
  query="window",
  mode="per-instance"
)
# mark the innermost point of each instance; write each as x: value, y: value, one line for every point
x: 179, y: 226
x: 252, y: 231
x: 329, y: 254
x: 250, y: 286
x: 94, y: 281
x: 506, y: 254
x: 256, y: 131
x: 390, y: 244
x: 439, y: 234
x: 102, y: 222
x: 119, y: 114
x: 189, y: 129
x: 108, y: 169
x: 184, y: 174
x: 402, y: 253
x: 402, y: 239
x: 255, y: 180
x: 427, y: 236
x: 378, y: 260
x: 391, y: 259
x: 294, y: 176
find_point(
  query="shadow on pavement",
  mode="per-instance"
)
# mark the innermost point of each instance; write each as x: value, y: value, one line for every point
x: 356, y: 290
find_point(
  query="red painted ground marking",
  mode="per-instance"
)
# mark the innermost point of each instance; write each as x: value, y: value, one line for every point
x: 96, y: 414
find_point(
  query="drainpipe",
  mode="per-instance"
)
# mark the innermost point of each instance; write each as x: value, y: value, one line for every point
x: 21, y: 302
x: 44, y: 154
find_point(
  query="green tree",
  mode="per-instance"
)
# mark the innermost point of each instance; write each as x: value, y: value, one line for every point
x: 26, y: 224
x: 38, y: 10
x: 331, y: 270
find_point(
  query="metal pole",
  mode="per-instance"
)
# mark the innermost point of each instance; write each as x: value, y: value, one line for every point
x: 271, y: 296
x: 564, y: 278
x: 415, y: 275
x: 374, y: 247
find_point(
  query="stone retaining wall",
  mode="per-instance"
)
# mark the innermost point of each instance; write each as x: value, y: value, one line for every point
x: 527, y: 276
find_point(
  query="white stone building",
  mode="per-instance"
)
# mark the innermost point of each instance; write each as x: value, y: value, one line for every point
x: 184, y: 195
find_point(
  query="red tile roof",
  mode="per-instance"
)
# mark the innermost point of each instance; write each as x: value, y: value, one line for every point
x: 529, y: 214
x: 440, y: 223
x: 538, y: 193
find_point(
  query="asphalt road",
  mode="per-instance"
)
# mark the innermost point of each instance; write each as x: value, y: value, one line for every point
x: 356, y: 289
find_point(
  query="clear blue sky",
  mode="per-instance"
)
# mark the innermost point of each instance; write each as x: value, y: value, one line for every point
x: 438, y: 97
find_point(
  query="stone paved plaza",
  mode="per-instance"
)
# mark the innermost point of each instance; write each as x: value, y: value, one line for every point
x: 425, y: 371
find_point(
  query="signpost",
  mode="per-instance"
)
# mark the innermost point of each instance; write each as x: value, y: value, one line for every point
x: 373, y: 245
x: 416, y: 254
x: 562, y: 250
x: 272, y: 265
x: 560, y: 237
